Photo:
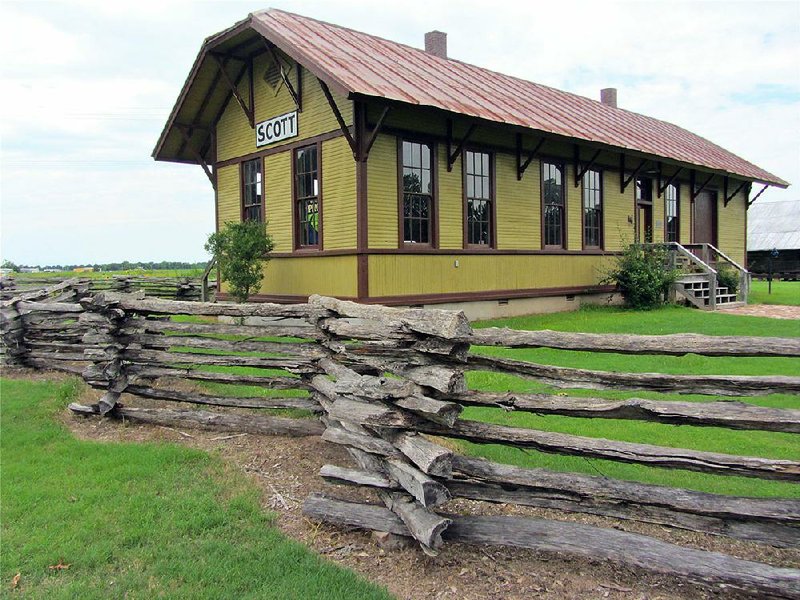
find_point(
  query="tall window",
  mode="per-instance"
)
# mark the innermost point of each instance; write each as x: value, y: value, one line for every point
x: 479, y: 198
x: 306, y: 190
x: 671, y: 229
x: 417, y: 193
x: 251, y: 190
x: 592, y: 209
x: 644, y: 210
x: 553, y: 204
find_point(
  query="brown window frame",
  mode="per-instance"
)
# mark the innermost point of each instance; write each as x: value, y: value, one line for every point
x: 600, y: 225
x: 244, y: 185
x: 677, y: 215
x: 433, y: 223
x: 296, y: 200
x: 492, y: 199
x: 563, y: 167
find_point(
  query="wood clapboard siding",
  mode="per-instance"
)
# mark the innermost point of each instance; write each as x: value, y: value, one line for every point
x: 617, y: 209
x: 684, y: 215
x: 303, y: 276
x: 397, y: 275
x: 382, y: 193
x: 229, y: 209
x: 451, y: 204
x: 278, y: 195
x: 731, y: 220
x: 338, y: 195
x: 236, y: 138
x: 518, y: 206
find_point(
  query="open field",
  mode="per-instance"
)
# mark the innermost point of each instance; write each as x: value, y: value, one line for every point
x: 663, y: 321
x: 59, y: 275
x: 138, y: 520
x: 783, y: 292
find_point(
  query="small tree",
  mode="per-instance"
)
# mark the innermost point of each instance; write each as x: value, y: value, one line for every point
x: 240, y: 250
x: 7, y: 264
x: 643, y: 275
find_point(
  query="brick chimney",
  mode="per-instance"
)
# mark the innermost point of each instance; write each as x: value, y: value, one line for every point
x: 436, y: 43
x: 608, y: 96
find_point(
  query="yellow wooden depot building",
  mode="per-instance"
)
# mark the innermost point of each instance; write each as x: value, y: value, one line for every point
x: 390, y: 174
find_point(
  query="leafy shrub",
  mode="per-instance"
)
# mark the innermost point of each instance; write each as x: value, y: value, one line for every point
x: 729, y: 278
x: 642, y: 275
x: 240, y: 250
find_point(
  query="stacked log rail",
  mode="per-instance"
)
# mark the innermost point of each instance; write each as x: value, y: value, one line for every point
x: 175, y: 288
x: 392, y: 427
x: 136, y: 349
x: 41, y: 328
x: 389, y: 386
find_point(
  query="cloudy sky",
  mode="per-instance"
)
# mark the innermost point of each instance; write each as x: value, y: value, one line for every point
x: 87, y: 86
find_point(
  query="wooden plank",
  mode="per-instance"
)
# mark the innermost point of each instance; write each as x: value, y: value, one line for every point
x: 678, y: 344
x: 133, y: 326
x: 182, y: 307
x: 257, y: 424
x: 159, y: 357
x: 733, y: 415
x: 646, y: 454
x: 139, y: 372
x: 770, y: 521
x: 196, y: 398
x: 594, y: 543
x: 718, y: 385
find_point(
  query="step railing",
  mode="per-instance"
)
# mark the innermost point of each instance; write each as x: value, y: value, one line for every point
x: 715, y: 259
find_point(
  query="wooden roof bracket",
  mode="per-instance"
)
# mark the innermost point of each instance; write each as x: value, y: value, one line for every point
x: 764, y: 189
x: 453, y: 156
x: 339, y: 119
x: 668, y: 182
x: 694, y: 193
x: 212, y: 176
x: 249, y: 111
x: 624, y: 183
x: 294, y: 93
x: 373, y: 135
x: 576, y: 159
x: 521, y: 167
x: 729, y: 197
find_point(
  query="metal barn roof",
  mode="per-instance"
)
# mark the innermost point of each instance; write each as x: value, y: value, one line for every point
x: 774, y: 225
x: 356, y: 63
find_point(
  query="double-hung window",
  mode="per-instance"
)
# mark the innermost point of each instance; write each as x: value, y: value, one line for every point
x: 306, y: 197
x: 592, y: 209
x: 671, y: 228
x: 553, y: 206
x: 252, y: 196
x: 478, y: 175
x: 417, y: 207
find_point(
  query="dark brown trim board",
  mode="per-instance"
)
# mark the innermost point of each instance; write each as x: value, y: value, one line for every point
x: 362, y: 214
x: 411, y: 250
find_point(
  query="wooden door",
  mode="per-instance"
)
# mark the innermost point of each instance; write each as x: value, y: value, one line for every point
x: 644, y: 223
x: 705, y: 218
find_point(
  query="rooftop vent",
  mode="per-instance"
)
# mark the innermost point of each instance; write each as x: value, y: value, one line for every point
x: 436, y: 43
x: 608, y: 96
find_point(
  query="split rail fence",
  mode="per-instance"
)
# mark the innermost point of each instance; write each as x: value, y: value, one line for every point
x: 388, y: 384
x: 174, y: 288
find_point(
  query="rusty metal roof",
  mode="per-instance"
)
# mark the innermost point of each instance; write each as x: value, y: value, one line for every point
x: 359, y: 63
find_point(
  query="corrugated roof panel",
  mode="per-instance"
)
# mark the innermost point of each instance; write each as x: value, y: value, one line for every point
x: 373, y: 66
x: 774, y: 225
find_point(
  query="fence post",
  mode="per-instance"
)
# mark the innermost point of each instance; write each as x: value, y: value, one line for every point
x: 108, y: 369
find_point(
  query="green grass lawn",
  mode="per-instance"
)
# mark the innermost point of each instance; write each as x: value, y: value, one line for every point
x: 783, y: 292
x: 663, y: 321
x: 138, y: 520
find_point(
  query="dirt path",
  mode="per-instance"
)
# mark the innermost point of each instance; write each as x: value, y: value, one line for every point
x: 285, y: 469
x: 774, y: 311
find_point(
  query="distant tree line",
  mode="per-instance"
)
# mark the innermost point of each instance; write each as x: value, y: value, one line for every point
x: 117, y: 266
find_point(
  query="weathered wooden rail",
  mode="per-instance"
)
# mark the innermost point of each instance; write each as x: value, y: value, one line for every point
x: 175, y: 288
x: 388, y: 384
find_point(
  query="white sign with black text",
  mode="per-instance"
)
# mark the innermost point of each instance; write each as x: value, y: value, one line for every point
x: 276, y: 129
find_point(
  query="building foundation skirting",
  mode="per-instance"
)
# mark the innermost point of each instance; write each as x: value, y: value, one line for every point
x: 484, y: 304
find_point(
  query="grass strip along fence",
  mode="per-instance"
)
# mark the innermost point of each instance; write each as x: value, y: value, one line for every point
x: 389, y: 384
